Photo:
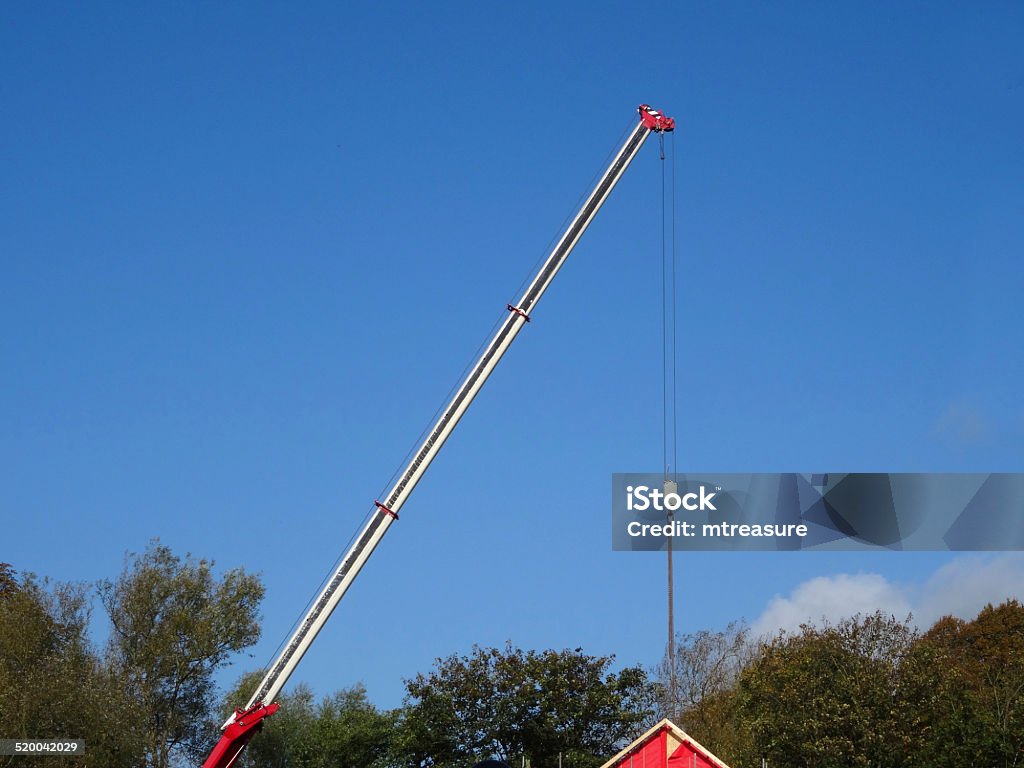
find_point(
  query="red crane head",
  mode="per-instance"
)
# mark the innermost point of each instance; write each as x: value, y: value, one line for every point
x: 654, y: 120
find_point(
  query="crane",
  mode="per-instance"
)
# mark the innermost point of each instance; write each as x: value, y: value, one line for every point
x: 241, y: 726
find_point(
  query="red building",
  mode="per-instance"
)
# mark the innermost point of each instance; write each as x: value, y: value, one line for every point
x: 666, y: 745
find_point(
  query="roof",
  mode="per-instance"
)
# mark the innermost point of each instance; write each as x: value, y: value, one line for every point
x: 678, y: 739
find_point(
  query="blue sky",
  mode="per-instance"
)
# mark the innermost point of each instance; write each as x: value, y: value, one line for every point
x: 247, y: 248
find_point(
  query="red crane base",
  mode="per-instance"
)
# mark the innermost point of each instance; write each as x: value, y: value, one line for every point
x: 245, y: 725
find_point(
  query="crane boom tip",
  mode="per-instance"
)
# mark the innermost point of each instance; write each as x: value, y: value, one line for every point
x: 654, y: 120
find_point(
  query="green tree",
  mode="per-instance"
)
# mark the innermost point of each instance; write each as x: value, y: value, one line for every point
x: 174, y: 624
x: 8, y: 580
x: 343, y: 730
x: 285, y: 736
x: 349, y: 732
x: 510, y: 703
x: 52, y: 683
x: 828, y: 697
x: 965, y: 690
x: 423, y: 738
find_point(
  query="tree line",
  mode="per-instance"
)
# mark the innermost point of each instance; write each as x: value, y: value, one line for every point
x: 537, y: 708
x: 147, y: 698
x: 866, y: 691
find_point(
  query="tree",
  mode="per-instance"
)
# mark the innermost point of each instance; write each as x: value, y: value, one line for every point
x: 423, y: 738
x: 52, y: 683
x: 8, y: 580
x: 698, y: 693
x: 966, y: 694
x: 828, y: 697
x: 510, y: 703
x: 174, y: 624
x: 285, y: 735
x: 349, y: 732
x: 706, y: 663
x: 343, y: 731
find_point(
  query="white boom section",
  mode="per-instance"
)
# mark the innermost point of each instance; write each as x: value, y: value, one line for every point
x: 379, y: 523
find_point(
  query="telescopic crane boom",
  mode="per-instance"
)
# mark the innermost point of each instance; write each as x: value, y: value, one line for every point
x: 244, y: 723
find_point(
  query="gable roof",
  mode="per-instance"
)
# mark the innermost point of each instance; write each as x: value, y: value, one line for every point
x: 672, y: 729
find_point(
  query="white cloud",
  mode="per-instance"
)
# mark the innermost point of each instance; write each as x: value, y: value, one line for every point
x: 963, y: 586
x: 960, y: 588
x: 831, y: 598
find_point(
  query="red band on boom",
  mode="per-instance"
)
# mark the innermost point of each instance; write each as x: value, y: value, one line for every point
x: 385, y: 510
x: 518, y: 311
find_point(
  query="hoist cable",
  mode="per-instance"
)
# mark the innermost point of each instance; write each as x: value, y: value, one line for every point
x: 670, y: 370
x: 675, y: 323
x: 664, y: 321
x: 668, y: 283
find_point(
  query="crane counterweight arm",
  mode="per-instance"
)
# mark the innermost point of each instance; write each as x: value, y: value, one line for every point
x: 241, y: 726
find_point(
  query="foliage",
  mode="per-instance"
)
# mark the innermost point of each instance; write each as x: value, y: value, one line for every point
x: 827, y: 697
x: 867, y: 691
x: 968, y: 701
x: 704, y: 663
x: 285, y: 735
x: 175, y: 624
x: 343, y: 731
x: 508, y: 703
x: 870, y: 691
x: 423, y: 736
x: 695, y: 687
x: 349, y: 732
x: 52, y: 683
x: 8, y: 580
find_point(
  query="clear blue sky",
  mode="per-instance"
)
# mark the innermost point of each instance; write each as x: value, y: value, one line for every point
x: 247, y: 248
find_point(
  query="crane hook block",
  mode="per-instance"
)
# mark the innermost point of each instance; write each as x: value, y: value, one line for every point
x: 654, y: 120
